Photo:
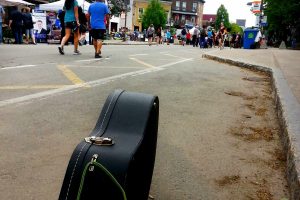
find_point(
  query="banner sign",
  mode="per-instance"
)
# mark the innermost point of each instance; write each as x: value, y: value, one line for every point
x: 40, y: 25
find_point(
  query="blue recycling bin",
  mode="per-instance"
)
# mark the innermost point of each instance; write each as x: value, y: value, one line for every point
x: 249, y: 37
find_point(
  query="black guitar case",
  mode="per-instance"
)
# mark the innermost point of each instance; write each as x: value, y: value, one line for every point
x: 116, y: 161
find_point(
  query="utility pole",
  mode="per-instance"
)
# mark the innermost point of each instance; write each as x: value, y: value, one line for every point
x: 261, y: 13
x: 126, y: 10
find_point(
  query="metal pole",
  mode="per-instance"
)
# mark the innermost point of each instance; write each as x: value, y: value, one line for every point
x: 125, y: 17
x: 261, y: 13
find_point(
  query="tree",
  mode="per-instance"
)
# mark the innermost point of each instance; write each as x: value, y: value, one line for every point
x: 116, y: 7
x: 222, y: 16
x: 236, y: 29
x: 283, y: 18
x: 154, y: 14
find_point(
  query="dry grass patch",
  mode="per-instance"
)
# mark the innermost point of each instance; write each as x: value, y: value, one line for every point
x: 241, y: 94
x: 228, y: 180
x: 261, y: 111
x: 264, y: 194
x: 253, y: 133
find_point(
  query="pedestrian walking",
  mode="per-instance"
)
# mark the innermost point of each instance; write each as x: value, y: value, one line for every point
x: 28, y: 25
x: 221, y: 35
x: 183, y: 36
x: 195, y: 36
x: 61, y: 17
x: 188, y: 38
x: 162, y: 40
x: 203, y: 35
x: 150, y: 34
x: 71, y: 25
x: 210, y: 37
x: 15, y: 24
x: 168, y: 35
x: 98, y: 12
x: 2, y: 13
x: 158, y: 34
x: 83, y: 26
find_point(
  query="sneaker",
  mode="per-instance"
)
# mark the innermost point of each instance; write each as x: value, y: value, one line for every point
x: 61, y: 50
x: 97, y: 55
x: 76, y: 52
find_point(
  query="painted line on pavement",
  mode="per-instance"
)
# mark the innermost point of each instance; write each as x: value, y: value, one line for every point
x: 70, y: 74
x: 177, y: 62
x: 18, y: 67
x: 141, y: 54
x: 174, y: 56
x: 95, y: 59
x: 104, y: 67
x: 72, y: 88
x: 142, y: 62
x: 13, y: 87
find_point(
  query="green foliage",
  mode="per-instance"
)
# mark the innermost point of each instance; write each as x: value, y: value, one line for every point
x: 172, y: 31
x: 282, y: 16
x: 154, y: 14
x: 222, y: 16
x: 116, y: 7
x: 236, y: 29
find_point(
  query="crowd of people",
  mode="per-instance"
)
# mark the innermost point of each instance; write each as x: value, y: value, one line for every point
x: 75, y: 24
x: 21, y: 23
x: 205, y: 37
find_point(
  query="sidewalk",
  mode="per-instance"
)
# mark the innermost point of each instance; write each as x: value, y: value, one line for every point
x: 284, y: 68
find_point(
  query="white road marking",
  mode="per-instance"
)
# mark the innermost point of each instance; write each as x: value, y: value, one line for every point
x: 174, y: 63
x: 98, y: 82
x: 95, y: 59
x: 163, y: 52
x: 141, y: 54
x: 174, y: 56
x: 18, y: 67
x: 104, y: 67
x: 142, y: 62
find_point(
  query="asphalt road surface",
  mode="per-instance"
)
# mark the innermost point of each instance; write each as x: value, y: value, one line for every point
x: 49, y: 102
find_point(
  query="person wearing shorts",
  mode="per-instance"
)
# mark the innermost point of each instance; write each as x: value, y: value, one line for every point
x: 71, y: 25
x: 98, y: 12
x: 150, y: 33
x: 28, y: 24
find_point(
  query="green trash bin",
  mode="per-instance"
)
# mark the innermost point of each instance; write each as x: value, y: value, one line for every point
x: 249, y: 37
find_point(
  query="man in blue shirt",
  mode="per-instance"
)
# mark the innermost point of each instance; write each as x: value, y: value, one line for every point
x: 99, y: 13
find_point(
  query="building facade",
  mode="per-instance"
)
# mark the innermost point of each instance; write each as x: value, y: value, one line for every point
x: 187, y: 12
x: 138, y: 8
x: 209, y: 19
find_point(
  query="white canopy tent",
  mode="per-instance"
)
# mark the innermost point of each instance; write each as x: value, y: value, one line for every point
x: 58, y: 5
x: 14, y: 2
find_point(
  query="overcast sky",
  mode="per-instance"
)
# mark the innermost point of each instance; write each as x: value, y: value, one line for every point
x: 237, y: 9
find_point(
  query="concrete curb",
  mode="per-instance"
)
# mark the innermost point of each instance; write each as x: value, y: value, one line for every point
x: 288, y: 111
